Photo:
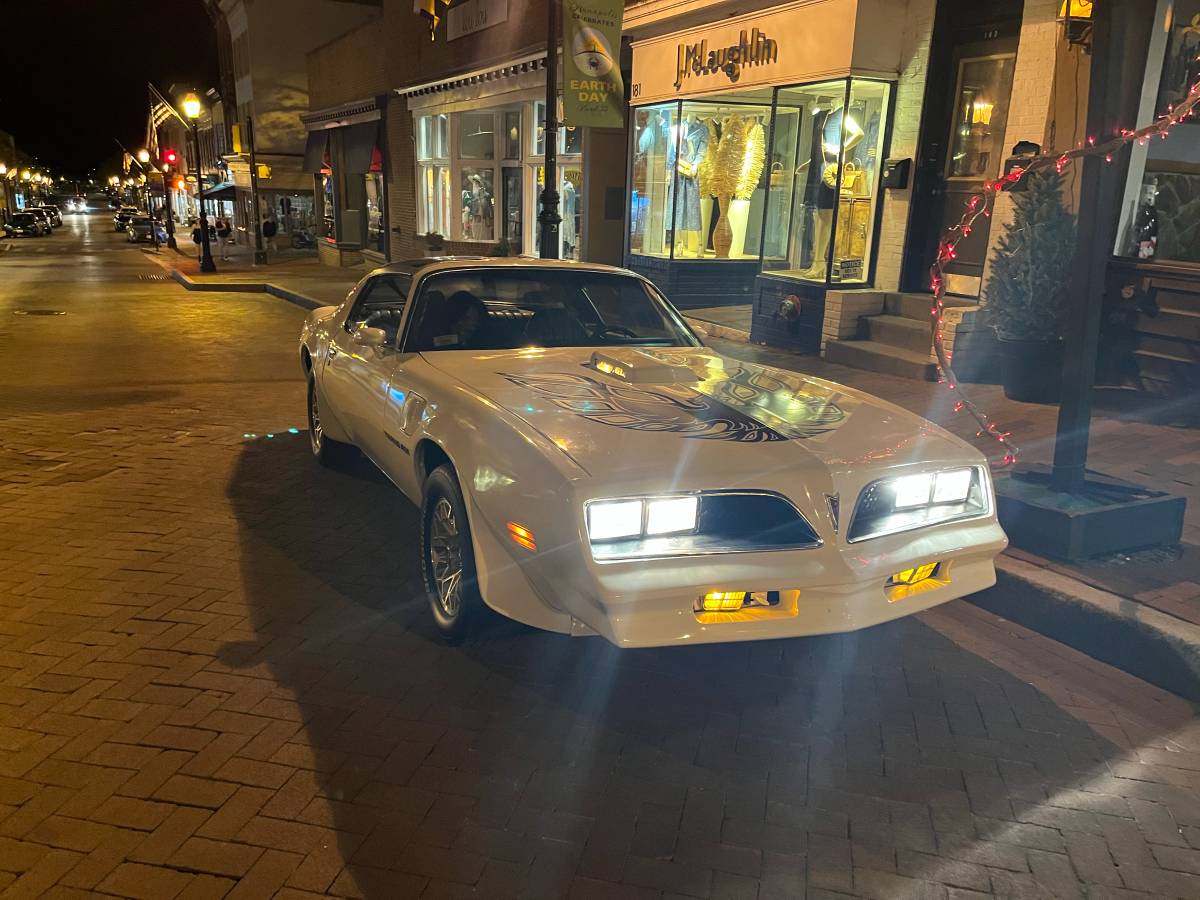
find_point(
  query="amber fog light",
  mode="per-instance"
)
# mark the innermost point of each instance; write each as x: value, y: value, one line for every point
x: 913, y: 576
x: 722, y: 601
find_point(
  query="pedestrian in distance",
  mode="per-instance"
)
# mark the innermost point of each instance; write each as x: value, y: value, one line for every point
x: 197, y: 239
x: 269, y: 230
x: 225, y: 235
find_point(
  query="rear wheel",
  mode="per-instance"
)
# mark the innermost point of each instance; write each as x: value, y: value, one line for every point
x: 328, y: 452
x: 448, y: 557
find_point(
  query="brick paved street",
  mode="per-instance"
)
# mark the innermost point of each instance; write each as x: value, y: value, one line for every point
x: 219, y: 680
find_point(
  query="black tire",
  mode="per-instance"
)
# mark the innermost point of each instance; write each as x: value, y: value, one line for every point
x: 456, y: 612
x: 328, y: 452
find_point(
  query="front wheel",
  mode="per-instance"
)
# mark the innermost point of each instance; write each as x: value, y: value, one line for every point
x: 328, y: 452
x: 448, y: 557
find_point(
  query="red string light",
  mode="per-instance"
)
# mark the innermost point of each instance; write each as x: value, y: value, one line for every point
x: 980, y: 204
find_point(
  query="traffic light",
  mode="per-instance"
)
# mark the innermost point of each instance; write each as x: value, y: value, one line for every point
x: 170, y: 157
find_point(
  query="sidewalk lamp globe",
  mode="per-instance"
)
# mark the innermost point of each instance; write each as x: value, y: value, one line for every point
x: 191, y: 106
x: 144, y: 155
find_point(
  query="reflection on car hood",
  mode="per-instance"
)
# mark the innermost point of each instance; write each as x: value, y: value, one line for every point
x: 696, y: 411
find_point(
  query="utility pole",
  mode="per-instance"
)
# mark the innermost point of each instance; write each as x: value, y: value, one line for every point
x: 260, y: 255
x: 548, y: 218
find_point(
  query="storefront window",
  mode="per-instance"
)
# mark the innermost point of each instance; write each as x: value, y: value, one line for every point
x: 374, y: 206
x: 1161, y: 220
x: 433, y: 137
x: 654, y: 141
x: 570, y: 186
x: 823, y: 180
x: 487, y: 186
x: 477, y: 135
x: 433, y: 174
x: 980, y: 116
x: 699, y: 178
x: 325, y: 185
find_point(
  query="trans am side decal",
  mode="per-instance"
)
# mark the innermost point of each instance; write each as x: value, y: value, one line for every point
x: 738, y: 408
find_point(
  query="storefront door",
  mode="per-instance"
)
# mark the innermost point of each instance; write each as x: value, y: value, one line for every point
x: 963, y: 145
x: 512, y: 209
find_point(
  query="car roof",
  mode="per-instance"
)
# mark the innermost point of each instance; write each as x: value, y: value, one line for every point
x: 428, y: 264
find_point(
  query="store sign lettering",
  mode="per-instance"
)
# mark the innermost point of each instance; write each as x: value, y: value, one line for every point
x: 755, y: 49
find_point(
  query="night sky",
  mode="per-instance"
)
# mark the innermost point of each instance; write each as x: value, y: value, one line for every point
x: 79, y: 79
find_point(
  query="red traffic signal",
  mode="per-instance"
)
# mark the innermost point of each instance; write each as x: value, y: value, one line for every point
x: 170, y: 157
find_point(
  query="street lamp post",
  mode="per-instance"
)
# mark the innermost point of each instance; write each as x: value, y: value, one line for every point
x: 548, y: 218
x: 191, y: 109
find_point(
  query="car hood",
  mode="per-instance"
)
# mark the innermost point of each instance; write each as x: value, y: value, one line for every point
x: 626, y: 414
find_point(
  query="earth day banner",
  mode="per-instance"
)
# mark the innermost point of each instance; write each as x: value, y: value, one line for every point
x: 593, y: 93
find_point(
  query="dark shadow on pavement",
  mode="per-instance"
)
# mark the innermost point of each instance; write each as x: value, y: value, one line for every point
x: 529, y: 765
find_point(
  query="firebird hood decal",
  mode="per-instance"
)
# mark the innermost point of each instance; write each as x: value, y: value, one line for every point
x: 741, y: 405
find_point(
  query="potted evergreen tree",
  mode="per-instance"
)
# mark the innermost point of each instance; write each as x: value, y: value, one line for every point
x: 1026, y: 294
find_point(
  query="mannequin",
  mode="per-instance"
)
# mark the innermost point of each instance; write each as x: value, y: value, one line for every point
x: 704, y: 178
x: 753, y: 159
x: 685, y: 156
x: 834, y: 134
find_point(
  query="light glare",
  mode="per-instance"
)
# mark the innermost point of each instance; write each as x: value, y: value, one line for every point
x: 952, y: 487
x: 616, y: 519
x: 671, y: 515
x: 912, y: 490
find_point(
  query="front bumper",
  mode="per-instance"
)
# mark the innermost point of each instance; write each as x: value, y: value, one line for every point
x: 828, y: 589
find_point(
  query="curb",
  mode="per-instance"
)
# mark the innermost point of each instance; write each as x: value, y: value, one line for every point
x: 712, y: 329
x: 242, y: 287
x: 1138, y: 639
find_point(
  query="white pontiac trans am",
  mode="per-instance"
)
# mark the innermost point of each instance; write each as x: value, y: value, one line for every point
x: 583, y: 464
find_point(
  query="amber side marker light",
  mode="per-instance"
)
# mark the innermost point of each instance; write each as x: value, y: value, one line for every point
x: 913, y: 576
x: 522, y: 535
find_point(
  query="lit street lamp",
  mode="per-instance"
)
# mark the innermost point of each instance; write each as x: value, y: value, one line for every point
x: 191, y: 109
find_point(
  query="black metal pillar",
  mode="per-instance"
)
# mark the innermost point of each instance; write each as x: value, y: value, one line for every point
x: 206, y: 260
x: 260, y: 255
x: 1120, y: 33
x: 548, y: 219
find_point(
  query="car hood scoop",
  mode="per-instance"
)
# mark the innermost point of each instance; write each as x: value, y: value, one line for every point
x: 636, y: 367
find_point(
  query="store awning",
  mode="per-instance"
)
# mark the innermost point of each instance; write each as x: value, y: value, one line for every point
x: 224, y: 191
x: 358, y: 147
x: 314, y: 151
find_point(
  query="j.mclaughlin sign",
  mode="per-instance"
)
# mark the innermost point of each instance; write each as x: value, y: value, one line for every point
x: 752, y: 49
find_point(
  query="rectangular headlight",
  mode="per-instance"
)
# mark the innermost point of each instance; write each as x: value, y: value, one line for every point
x: 911, y: 490
x: 952, y: 486
x: 903, y: 503
x: 615, y: 519
x: 671, y: 515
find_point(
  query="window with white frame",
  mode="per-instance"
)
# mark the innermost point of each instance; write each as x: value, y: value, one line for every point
x: 433, y: 174
x: 480, y: 174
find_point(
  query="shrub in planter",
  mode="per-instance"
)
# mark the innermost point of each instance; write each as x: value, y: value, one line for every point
x: 1025, y: 299
x: 434, y: 241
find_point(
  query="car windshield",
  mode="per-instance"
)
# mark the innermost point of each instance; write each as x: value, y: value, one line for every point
x: 141, y: 220
x: 509, y: 308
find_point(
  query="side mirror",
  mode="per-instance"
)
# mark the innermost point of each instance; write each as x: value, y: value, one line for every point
x: 370, y: 337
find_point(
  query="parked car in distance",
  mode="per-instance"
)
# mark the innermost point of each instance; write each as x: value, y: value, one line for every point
x: 122, y: 217
x: 42, y: 216
x: 25, y: 224
x: 53, y: 212
x: 584, y: 464
x: 140, y: 229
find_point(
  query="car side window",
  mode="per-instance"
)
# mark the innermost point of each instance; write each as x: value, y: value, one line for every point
x: 380, y: 304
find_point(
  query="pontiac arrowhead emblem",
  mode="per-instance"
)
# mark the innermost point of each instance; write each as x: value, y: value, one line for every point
x: 835, y: 505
